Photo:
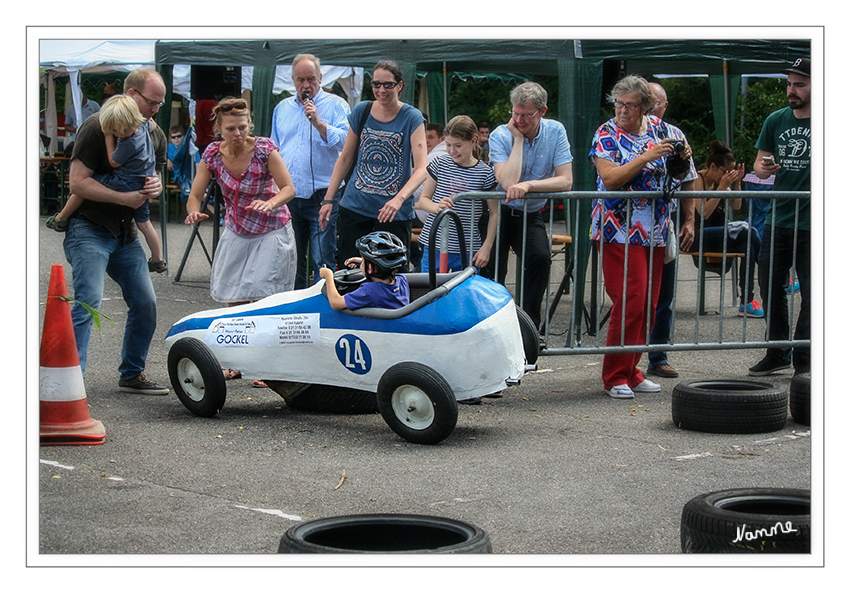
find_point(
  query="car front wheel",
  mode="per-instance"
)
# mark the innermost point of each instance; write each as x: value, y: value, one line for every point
x: 417, y: 403
x: 196, y: 377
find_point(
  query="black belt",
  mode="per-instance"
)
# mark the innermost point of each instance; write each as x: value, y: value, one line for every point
x: 516, y: 212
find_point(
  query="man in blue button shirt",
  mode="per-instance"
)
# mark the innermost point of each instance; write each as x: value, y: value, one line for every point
x: 528, y: 154
x: 310, y: 130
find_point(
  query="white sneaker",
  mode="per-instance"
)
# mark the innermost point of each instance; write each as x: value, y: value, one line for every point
x: 647, y: 386
x: 621, y: 392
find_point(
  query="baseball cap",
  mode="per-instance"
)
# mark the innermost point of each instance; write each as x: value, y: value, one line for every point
x: 801, y: 66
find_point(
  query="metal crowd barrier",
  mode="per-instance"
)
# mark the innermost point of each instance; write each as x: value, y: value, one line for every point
x: 581, y: 331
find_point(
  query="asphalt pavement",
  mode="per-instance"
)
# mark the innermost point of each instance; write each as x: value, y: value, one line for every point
x: 555, y: 472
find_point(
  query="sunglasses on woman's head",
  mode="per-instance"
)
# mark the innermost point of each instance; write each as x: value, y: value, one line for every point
x: 231, y: 106
x: 387, y: 85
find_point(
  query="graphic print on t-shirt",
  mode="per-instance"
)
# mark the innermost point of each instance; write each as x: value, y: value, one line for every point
x: 792, y: 150
x: 381, y: 163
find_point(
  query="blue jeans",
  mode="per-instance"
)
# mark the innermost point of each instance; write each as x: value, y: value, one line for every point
x: 713, y: 239
x: 660, y: 333
x: 455, y: 262
x: 93, y: 252
x: 759, y: 207
x: 305, y: 224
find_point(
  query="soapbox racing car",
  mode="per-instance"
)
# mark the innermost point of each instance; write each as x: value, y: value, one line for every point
x: 460, y: 337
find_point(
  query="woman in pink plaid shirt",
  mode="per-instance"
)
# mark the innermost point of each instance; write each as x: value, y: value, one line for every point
x: 255, y: 257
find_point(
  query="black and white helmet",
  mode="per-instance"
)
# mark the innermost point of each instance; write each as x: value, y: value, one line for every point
x: 383, y: 249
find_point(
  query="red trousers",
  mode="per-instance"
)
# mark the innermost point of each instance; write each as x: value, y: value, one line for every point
x: 621, y: 369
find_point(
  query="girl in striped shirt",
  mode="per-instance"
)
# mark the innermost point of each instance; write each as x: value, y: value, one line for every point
x: 460, y: 170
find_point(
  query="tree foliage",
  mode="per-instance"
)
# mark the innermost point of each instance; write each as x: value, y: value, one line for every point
x: 690, y: 109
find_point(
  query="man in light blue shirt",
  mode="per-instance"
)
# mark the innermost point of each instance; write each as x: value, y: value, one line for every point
x: 528, y: 154
x: 72, y: 122
x: 310, y: 130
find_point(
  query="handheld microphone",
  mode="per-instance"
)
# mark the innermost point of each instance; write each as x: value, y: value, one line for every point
x: 305, y: 96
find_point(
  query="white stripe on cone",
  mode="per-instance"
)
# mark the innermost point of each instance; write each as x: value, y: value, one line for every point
x: 61, y: 384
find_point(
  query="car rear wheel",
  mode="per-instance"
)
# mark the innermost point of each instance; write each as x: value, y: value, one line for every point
x: 530, y: 337
x: 417, y: 403
x: 196, y: 377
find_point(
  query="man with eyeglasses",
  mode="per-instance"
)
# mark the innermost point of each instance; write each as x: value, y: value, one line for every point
x: 528, y: 154
x: 103, y: 239
x: 658, y: 364
x: 310, y: 129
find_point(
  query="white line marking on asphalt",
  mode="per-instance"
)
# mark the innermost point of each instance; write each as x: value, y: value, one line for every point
x: 790, y: 437
x: 274, y: 512
x: 692, y: 456
x: 56, y: 464
x: 786, y: 437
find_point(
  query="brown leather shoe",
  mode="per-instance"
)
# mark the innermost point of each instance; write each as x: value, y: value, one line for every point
x: 663, y: 370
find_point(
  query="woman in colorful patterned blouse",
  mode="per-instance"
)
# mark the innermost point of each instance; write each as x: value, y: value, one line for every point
x: 630, y: 152
x: 255, y: 257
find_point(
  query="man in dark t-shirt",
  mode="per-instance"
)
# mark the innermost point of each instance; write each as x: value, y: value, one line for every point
x: 102, y: 238
x: 784, y: 150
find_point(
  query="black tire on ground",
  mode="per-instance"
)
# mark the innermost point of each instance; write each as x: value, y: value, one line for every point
x: 800, y: 398
x: 196, y: 377
x: 386, y: 533
x: 744, y: 521
x: 729, y: 406
x: 333, y: 400
x: 530, y: 336
x: 417, y: 403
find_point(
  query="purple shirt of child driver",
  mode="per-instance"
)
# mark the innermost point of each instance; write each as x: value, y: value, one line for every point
x: 380, y: 294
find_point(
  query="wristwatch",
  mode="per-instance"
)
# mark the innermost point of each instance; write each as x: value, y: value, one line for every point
x: 326, y: 202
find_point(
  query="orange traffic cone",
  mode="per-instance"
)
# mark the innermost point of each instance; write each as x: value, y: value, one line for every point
x: 64, y: 411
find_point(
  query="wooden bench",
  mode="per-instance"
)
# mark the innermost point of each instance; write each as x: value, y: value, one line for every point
x: 560, y: 242
x: 713, y: 262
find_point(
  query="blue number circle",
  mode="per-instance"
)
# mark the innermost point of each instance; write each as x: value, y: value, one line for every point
x: 354, y: 354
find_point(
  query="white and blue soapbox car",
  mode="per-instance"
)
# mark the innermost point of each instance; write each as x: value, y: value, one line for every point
x: 461, y: 337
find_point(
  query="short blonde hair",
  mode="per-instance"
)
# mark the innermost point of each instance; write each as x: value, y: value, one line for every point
x: 120, y: 114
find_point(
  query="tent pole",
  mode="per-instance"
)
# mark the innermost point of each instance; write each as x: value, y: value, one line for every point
x: 50, y: 123
x: 445, y: 97
x: 726, y: 103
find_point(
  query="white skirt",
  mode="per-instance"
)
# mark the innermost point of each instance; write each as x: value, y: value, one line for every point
x: 252, y: 268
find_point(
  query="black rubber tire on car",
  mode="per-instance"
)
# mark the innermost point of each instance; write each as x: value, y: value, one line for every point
x: 530, y: 337
x: 417, y: 403
x: 800, y: 398
x: 729, y: 406
x: 748, y: 520
x: 329, y: 399
x: 196, y: 377
x: 385, y: 533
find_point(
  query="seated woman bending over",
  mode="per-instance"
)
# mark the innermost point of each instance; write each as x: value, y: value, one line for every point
x: 721, y: 173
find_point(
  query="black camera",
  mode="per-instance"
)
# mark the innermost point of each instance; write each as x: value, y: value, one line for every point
x: 676, y: 165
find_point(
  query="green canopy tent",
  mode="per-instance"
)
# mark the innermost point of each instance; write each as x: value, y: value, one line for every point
x: 579, y: 65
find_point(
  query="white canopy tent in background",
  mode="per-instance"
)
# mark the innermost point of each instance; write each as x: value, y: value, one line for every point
x: 73, y: 57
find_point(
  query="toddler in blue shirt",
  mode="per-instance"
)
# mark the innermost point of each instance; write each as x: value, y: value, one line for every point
x: 131, y: 154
